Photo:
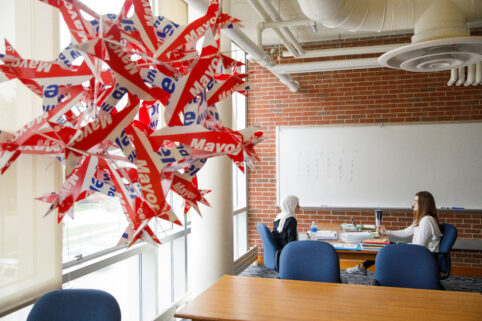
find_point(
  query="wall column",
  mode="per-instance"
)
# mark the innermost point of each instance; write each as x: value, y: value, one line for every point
x: 212, y: 235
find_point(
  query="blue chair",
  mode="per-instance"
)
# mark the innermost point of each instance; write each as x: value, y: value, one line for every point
x: 269, y: 244
x: 309, y: 261
x: 75, y: 305
x: 407, y: 266
x: 443, y: 255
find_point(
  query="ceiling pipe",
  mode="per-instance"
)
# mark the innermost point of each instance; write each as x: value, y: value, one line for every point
x: 474, y: 75
x: 291, y: 23
x: 371, y: 15
x: 441, y: 38
x: 470, y: 75
x: 478, y: 74
x: 259, y: 35
x: 317, y: 66
x: 250, y: 47
x: 276, y: 17
x: 461, y: 76
x: 442, y: 19
x: 336, y: 51
x: 260, y: 56
x: 390, y: 15
x: 260, y: 27
x: 347, y: 51
x: 454, y: 75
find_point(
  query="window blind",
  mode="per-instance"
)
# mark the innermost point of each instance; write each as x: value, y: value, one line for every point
x: 30, y: 245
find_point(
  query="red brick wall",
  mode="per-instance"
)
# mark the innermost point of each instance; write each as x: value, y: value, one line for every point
x: 353, y: 97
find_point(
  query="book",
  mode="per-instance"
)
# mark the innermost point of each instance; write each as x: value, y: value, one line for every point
x: 371, y: 248
x: 372, y: 245
x: 376, y: 242
x: 326, y: 235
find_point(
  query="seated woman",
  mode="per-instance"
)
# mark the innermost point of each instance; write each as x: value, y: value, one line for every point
x: 285, y: 224
x: 424, y: 228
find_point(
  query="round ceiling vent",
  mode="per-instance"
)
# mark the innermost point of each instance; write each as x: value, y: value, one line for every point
x: 434, y: 55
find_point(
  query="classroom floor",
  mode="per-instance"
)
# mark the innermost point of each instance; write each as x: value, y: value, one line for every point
x: 453, y: 283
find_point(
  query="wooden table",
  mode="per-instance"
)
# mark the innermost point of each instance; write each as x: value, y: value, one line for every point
x: 248, y: 298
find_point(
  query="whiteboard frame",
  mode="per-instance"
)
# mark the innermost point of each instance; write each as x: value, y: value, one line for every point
x: 393, y: 209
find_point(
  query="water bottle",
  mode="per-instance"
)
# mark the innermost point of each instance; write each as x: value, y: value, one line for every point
x: 378, y: 217
x: 313, y: 230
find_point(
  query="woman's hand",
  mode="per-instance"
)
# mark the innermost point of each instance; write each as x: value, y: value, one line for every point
x: 382, y: 229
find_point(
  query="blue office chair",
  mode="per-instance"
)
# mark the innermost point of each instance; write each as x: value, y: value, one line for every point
x: 309, y: 261
x: 407, y: 266
x: 75, y: 305
x: 443, y: 255
x: 269, y: 244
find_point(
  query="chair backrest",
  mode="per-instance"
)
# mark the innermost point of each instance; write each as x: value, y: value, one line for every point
x: 75, y: 305
x: 448, y: 239
x: 269, y: 245
x: 407, y: 266
x: 309, y: 261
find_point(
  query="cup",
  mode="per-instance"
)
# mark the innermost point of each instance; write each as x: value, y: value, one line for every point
x: 378, y: 218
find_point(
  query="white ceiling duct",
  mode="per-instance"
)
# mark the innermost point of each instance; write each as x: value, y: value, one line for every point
x: 440, y: 40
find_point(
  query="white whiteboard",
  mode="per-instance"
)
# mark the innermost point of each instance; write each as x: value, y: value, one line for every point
x: 381, y: 166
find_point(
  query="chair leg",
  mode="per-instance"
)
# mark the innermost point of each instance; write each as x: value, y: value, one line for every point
x: 278, y: 254
x: 442, y: 286
x: 446, y: 275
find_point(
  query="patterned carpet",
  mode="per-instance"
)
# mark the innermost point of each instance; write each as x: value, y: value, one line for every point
x: 453, y: 283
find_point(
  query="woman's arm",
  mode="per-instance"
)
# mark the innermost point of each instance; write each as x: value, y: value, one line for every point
x: 407, y: 232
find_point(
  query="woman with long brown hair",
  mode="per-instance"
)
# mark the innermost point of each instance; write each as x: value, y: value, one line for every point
x: 424, y: 229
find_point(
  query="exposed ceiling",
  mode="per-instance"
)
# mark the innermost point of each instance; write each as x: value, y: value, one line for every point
x: 440, y: 29
x: 290, y: 10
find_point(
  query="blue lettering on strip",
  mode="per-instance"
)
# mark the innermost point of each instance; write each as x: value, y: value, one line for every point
x: 51, y: 91
x: 119, y: 92
x: 189, y: 118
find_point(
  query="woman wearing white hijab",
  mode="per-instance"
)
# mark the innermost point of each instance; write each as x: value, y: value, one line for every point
x: 285, y: 224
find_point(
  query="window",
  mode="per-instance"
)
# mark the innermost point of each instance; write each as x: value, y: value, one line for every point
x: 240, y: 230
x: 145, y: 280
x: 98, y: 221
x: 121, y: 280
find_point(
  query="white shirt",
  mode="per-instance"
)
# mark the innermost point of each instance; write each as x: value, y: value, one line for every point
x: 427, y: 233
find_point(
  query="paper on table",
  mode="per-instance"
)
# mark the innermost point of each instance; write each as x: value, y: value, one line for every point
x: 350, y: 226
x: 345, y: 246
x: 326, y: 235
x: 355, y: 237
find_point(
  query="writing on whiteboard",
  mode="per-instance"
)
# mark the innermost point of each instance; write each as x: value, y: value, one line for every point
x: 314, y: 166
